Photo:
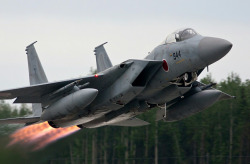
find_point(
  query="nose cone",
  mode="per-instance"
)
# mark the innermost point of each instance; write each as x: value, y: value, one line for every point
x: 213, y: 49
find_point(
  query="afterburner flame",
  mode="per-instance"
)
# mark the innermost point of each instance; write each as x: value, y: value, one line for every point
x: 40, y: 135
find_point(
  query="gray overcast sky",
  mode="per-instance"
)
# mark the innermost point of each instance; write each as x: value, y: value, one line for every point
x: 67, y: 32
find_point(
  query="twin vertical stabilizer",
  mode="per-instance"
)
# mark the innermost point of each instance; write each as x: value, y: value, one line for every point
x: 36, y: 74
x: 102, y: 60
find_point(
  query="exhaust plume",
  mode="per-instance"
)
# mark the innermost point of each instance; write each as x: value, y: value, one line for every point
x: 39, y: 135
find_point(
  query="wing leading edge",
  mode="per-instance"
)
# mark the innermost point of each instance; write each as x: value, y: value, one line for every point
x: 34, y: 93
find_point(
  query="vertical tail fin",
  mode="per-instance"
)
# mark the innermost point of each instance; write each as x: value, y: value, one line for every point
x: 36, y: 74
x: 102, y: 60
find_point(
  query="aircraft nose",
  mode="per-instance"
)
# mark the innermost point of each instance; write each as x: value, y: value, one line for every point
x: 212, y: 49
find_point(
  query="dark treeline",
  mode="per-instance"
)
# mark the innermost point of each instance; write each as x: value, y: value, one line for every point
x: 220, y: 134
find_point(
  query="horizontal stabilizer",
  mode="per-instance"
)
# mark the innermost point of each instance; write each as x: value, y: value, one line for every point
x: 160, y: 113
x: 20, y: 120
x: 131, y: 122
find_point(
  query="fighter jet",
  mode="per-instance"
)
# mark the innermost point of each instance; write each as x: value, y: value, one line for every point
x: 166, y: 79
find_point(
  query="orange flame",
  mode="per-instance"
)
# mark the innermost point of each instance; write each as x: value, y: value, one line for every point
x: 40, y: 135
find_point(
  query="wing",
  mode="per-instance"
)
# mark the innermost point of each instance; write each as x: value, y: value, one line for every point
x: 20, y: 120
x: 130, y: 122
x: 35, y: 93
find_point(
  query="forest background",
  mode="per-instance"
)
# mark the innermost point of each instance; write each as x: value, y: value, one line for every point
x: 220, y: 134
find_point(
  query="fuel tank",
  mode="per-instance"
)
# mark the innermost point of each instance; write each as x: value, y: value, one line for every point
x: 193, y: 104
x: 69, y: 104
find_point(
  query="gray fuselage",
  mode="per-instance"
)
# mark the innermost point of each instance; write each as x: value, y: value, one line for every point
x: 183, y: 61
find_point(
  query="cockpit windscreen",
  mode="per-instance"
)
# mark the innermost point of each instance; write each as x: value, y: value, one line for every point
x: 180, y: 35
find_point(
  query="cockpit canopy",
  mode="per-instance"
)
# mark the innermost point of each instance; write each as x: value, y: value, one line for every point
x: 180, y: 35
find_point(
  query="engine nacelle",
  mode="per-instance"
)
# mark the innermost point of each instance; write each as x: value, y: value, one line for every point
x: 193, y: 104
x: 69, y: 104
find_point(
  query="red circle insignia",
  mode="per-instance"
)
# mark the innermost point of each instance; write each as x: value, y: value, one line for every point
x: 165, y: 65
